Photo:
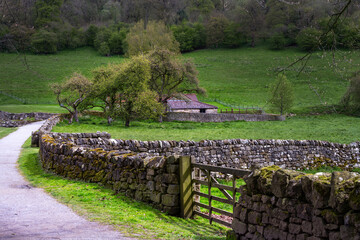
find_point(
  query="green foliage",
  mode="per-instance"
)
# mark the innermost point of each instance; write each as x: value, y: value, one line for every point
x: 351, y: 99
x: 191, y: 36
x: 116, y: 42
x: 19, y: 39
x: 277, y: 41
x: 47, y: 11
x: 308, y: 39
x: 104, y: 49
x: 136, y: 101
x: 282, y: 96
x: 72, y: 94
x: 155, y: 36
x: 105, y: 92
x: 234, y: 38
x: 102, y: 36
x: 215, y: 31
x: 44, y: 42
x: 90, y: 34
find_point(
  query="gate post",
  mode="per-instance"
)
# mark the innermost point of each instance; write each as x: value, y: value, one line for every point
x: 186, y: 194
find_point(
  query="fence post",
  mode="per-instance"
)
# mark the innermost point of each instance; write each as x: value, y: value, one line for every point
x: 186, y: 194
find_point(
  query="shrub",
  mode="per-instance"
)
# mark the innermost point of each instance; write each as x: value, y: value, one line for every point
x: 44, y: 42
x: 215, y: 31
x: 233, y: 36
x: 116, y: 42
x: 277, y: 41
x: 104, y: 49
x: 308, y: 39
x: 90, y: 35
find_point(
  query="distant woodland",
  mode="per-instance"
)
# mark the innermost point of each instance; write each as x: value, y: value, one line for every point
x: 47, y: 26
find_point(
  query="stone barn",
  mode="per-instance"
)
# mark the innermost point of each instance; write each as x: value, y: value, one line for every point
x: 189, y: 104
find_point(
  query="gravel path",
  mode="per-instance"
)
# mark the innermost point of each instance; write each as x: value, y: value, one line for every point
x: 29, y: 213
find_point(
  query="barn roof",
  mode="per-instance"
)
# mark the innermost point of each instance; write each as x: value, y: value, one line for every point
x: 190, y: 103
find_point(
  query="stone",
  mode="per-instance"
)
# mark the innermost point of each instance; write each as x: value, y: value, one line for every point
x: 304, y: 211
x: 294, y: 228
x: 334, y: 236
x: 260, y: 229
x: 254, y: 217
x: 283, y: 235
x: 283, y: 225
x: 244, y: 214
x: 238, y: 226
x: 348, y: 232
x: 332, y: 217
x: 302, y: 236
x: 280, y: 214
x: 138, y: 195
x: 291, y: 237
x: 173, y: 189
x: 271, y: 232
x: 341, y: 187
x: 306, y: 227
x: 237, y: 210
x: 280, y: 181
x: 354, y: 197
x: 265, y: 179
x: 170, y: 200
x: 265, y: 218
x: 155, y: 197
x: 150, y: 185
x: 172, y: 168
x: 251, y: 228
x: 319, y: 227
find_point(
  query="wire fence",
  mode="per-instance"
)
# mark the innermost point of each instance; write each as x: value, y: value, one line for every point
x: 237, y: 108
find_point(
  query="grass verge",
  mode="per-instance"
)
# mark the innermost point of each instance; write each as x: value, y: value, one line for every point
x: 97, y: 203
x: 5, y: 131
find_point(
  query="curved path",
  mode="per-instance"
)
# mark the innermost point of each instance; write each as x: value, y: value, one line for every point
x: 29, y: 213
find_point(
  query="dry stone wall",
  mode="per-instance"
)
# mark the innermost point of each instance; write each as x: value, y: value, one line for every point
x: 285, y: 204
x: 20, y: 119
x: 220, y: 117
x: 143, y: 177
x: 242, y: 153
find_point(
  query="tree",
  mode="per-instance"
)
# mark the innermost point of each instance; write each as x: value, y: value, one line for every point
x: 105, y: 90
x: 155, y: 36
x: 171, y: 76
x: 282, y: 96
x: 47, y: 11
x: 72, y: 94
x: 351, y: 99
x: 136, y: 101
x: 215, y: 31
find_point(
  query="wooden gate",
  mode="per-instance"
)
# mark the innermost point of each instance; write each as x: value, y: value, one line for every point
x: 190, y: 193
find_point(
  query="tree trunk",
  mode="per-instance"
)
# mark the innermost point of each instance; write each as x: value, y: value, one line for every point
x: 109, y: 120
x: 127, y: 123
x: 76, y: 115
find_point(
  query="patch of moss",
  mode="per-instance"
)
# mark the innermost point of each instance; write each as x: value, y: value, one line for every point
x: 267, y: 172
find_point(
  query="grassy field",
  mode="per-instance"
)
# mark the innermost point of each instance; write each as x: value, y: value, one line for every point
x: 134, y: 219
x: 333, y: 128
x: 235, y: 76
x: 6, y: 131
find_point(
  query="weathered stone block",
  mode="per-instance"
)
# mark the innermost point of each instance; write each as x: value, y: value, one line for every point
x: 238, y: 226
x: 304, y: 211
x: 271, y: 232
x: 155, y: 197
x: 334, y: 236
x: 251, y: 228
x: 170, y: 200
x: 348, y: 232
x: 302, y: 236
x: 254, y: 217
x: 244, y: 215
x: 173, y: 189
x: 294, y: 228
x: 319, y: 227
x: 306, y: 227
